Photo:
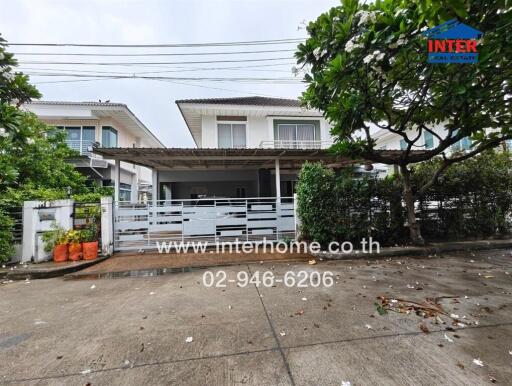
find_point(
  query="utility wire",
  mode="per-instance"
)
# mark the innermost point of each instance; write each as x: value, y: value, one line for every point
x: 149, y: 63
x: 149, y: 54
x: 213, y: 79
x: 216, y: 44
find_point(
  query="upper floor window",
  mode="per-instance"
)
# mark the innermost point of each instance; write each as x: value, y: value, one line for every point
x: 296, y: 132
x: 463, y: 144
x: 109, y: 137
x: 231, y: 135
x: 429, y: 140
x: 79, y: 138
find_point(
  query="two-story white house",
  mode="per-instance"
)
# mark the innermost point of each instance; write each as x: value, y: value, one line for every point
x: 237, y: 184
x: 109, y: 125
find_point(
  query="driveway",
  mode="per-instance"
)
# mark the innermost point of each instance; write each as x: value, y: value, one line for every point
x: 134, y: 331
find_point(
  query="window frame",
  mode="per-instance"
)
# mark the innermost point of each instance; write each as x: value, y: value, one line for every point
x: 428, y: 138
x: 231, y: 123
x: 112, y: 130
x: 317, y: 136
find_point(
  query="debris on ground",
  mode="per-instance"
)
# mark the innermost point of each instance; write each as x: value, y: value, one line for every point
x: 424, y: 328
x: 478, y: 362
x: 86, y: 371
x: 282, y: 333
x: 93, y: 286
x: 345, y: 383
x: 189, y: 339
x: 305, y: 299
x: 312, y: 262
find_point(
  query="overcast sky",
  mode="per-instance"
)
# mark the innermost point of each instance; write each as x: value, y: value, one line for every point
x: 157, y: 22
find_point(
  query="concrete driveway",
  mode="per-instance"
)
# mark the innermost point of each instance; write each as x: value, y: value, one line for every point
x: 133, y: 331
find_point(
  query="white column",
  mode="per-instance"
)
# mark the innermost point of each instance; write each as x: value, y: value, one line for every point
x: 117, y: 180
x: 278, y: 180
x: 154, y: 187
x: 107, y: 226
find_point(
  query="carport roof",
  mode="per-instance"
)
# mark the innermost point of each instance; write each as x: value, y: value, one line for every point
x: 180, y: 158
x: 189, y: 158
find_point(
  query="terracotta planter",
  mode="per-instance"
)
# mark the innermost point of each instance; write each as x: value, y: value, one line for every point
x: 60, y: 253
x: 90, y: 250
x: 75, y: 252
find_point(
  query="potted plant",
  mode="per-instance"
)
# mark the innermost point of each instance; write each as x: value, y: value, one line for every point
x: 56, y: 240
x: 74, y: 246
x: 90, y: 242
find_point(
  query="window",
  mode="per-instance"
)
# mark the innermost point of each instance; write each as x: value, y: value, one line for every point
x: 231, y: 135
x: 429, y: 140
x: 79, y: 138
x: 463, y: 144
x: 109, y: 137
x: 403, y: 144
x: 125, y: 192
x: 291, y: 133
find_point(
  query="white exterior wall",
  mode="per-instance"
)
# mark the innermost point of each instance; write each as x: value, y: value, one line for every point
x: 260, y: 128
x: 392, y: 141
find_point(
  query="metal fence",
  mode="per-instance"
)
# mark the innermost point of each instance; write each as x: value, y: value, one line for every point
x: 141, y: 226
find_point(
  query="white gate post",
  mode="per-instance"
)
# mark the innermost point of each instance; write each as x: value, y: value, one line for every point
x: 107, y: 226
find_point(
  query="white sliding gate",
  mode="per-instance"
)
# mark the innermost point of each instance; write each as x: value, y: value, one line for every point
x: 141, y: 226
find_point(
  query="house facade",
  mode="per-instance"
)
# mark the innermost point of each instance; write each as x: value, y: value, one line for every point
x: 236, y: 185
x: 109, y: 125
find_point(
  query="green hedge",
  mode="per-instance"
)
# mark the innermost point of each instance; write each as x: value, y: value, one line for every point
x: 473, y: 199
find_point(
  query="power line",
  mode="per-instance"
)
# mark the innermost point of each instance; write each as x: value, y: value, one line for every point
x: 150, y: 54
x: 149, y: 63
x: 215, y: 44
x: 213, y: 79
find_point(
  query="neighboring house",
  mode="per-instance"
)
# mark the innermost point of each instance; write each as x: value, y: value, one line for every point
x: 108, y: 125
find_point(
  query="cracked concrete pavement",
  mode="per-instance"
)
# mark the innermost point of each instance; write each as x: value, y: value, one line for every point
x: 132, y: 331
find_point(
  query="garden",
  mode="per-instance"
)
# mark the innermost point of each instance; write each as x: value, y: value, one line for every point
x: 472, y: 200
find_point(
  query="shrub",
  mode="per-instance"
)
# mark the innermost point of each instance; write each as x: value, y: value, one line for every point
x: 473, y: 199
x: 6, y: 245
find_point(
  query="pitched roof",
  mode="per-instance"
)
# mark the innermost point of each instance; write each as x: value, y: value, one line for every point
x: 244, y: 101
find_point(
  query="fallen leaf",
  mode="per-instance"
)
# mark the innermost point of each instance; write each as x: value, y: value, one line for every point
x: 424, y: 328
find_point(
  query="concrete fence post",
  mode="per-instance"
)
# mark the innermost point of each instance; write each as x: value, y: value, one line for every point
x: 38, y: 217
x: 107, y: 226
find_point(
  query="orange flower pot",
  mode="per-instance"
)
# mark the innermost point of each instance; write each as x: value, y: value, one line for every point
x: 90, y: 250
x: 60, y: 253
x: 75, y: 252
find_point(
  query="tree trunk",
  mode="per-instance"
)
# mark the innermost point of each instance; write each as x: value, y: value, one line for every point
x: 414, y: 227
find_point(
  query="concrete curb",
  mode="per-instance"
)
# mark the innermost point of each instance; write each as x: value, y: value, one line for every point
x: 33, y: 272
x: 434, y: 248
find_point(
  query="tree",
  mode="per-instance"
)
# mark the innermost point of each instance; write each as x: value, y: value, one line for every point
x: 366, y: 68
x: 33, y: 157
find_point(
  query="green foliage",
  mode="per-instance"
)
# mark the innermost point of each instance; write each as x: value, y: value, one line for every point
x: 57, y: 236
x: 6, y: 248
x: 342, y: 208
x: 367, y: 63
x: 33, y: 156
x: 89, y: 234
x: 472, y: 200
x: 315, y: 199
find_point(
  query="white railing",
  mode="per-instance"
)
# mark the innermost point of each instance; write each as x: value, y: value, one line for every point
x: 83, y: 147
x: 295, y: 144
x: 217, y: 220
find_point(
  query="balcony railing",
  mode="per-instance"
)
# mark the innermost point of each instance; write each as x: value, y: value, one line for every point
x: 83, y: 147
x: 295, y: 144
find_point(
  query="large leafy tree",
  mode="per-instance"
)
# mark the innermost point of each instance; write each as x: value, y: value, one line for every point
x: 366, y: 69
x: 32, y: 156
